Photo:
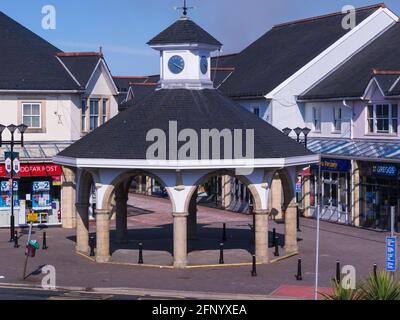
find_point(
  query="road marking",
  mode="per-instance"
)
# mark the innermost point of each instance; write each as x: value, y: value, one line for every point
x: 2, y: 277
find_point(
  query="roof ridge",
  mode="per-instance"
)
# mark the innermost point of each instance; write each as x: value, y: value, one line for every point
x: 131, y: 77
x: 376, y: 71
x: 80, y: 54
x: 310, y: 19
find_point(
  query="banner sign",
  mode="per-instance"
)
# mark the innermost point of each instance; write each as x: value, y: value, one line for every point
x: 35, y: 170
x: 16, y: 165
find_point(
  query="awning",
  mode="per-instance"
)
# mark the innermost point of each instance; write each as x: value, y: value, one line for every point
x: 368, y: 150
x: 34, y: 152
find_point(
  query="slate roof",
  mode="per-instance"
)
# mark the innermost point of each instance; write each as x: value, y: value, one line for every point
x: 28, y: 62
x: 182, y: 31
x: 352, y: 78
x: 284, y: 50
x: 124, y: 136
x: 81, y: 65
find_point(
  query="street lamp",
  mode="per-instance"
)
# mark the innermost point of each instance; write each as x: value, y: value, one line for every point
x: 306, y: 132
x: 298, y: 131
x: 287, y: 131
x: 12, y: 129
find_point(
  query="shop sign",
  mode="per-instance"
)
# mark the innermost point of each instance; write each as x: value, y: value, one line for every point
x: 33, y: 217
x: 335, y: 165
x: 35, y: 170
x: 5, y: 186
x: 391, y: 254
x: 385, y: 170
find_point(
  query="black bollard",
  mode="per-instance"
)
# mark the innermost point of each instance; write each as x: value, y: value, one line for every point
x: 140, y: 253
x: 254, y: 270
x: 44, y: 246
x: 224, y: 237
x: 375, y: 270
x: 276, y: 253
x: 273, y: 237
x: 92, y: 244
x: 299, y: 276
x: 16, y: 245
x: 338, y: 272
x: 221, y: 253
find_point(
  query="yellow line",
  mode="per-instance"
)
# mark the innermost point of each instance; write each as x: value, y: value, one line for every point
x: 85, y: 256
x: 284, y: 257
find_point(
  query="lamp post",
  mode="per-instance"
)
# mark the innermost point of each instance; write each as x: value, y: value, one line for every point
x: 298, y: 132
x: 12, y: 129
x: 287, y: 131
x: 306, y: 132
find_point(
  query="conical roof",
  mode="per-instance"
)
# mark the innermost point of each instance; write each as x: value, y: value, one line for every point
x: 124, y: 136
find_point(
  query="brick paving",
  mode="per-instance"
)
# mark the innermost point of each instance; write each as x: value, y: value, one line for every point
x: 361, y: 248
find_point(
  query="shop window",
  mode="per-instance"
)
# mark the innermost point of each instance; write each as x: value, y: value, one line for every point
x: 382, y: 118
x: 316, y: 119
x: 337, y: 119
x: 94, y: 114
x: 31, y: 115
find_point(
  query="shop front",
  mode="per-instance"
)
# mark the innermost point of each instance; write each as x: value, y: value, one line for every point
x: 379, y: 192
x: 335, y: 190
x: 37, y: 195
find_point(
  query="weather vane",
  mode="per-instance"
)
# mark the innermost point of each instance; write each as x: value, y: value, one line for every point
x: 185, y: 8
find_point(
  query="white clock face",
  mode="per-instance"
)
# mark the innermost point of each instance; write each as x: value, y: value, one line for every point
x: 176, y: 64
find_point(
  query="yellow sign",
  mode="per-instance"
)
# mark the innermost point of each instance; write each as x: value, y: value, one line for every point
x: 33, y: 217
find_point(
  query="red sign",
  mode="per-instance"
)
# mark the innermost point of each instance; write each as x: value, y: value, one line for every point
x: 36, y: 170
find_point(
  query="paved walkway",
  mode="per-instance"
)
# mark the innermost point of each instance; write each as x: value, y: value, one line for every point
x: 360, y: 248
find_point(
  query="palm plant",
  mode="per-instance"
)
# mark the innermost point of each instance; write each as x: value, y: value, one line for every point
x: 340, y: 293
x: 380, y: 286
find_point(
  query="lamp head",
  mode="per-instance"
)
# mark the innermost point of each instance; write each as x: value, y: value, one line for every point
x: 2, y: 128
x: 22, y: 128
x: 298, y: 131
x: 306, y: 131
x: 287, y: 131
x: 12, y: 128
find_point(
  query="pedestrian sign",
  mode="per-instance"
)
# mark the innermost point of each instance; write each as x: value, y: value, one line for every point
x: 391, y: 246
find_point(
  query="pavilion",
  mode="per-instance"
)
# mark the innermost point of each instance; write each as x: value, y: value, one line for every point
x: 184, y: 106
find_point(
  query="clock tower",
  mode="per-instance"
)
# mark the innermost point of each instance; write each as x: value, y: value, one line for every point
x: 185, y: 55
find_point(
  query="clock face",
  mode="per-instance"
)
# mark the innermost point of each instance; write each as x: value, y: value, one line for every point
x: 176, y: 64
x: 204, y: 65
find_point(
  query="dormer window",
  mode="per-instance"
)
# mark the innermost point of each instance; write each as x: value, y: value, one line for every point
x: 382, y: 118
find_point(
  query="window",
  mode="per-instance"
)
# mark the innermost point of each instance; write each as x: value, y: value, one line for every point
x: 382, y: 118
x: 94, y: 114
x: 104, y: 111
x: 83, y: 112
x: 316, y: 119
x: 31, y: 115
x: 337, y: 119
x: 256, y: 111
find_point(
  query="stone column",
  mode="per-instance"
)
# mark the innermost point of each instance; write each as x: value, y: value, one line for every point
x: 82, y: 227
x: 261, y: 236
x: 291, y: 228
x: 149, y: 184
x: 356, y: 199
x: 306, y: 197
x: 68, y: 199
x: 121, y: 219
x: 276, y: 198
x: 226, y: 192
x: 180, y: 240
x: 192, y: 218
x: 102, y: 235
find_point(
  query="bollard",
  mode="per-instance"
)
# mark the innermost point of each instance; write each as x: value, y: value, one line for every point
x: 276, y: 253
x: 16, y: 245
x: 92, y: 246
x: 44, y: 246
x: 254, y: 270
x: 140, y: 253
x: 224, y: 238
x: 299, y: 276
x: 375, y: 270
x: 338, y: 272
x: 273, y: 237
x: 221, y: 253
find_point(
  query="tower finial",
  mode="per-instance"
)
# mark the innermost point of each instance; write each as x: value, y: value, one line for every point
x: 185, y: 9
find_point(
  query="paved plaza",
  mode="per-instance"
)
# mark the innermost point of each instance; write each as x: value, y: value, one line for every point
x: 150, y: 221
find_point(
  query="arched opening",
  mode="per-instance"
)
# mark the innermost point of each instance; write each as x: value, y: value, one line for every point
x: 140, y: 216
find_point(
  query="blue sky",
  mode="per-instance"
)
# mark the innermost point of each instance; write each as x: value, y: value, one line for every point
x: 122, y: 27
